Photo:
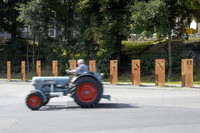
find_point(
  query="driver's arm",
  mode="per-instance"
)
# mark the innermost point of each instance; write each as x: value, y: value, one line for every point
x: 77, y: 70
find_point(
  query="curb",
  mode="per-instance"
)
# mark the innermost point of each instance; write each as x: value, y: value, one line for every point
x: 120, y: 85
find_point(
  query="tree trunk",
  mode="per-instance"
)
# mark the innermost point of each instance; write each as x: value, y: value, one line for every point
x: 27, y: 51
x: 170, y: 55
x: 180, y: 27
x: 118, y: 47
x: 13, y: 31
x: 39, y: 44
x: 118, y: 53
x: 33, y: 59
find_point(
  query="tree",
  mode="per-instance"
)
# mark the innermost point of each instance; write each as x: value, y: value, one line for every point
x: 187, y: 10
x: 8, y: 18
x: 40, y: 14
x: 160, y: 17
x: 109, y: 24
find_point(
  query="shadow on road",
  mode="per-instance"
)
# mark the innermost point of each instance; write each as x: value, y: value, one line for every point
x: 115, y: 105
x: 98, y: 106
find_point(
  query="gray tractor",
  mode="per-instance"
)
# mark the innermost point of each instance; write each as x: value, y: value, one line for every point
x: 86, y: 90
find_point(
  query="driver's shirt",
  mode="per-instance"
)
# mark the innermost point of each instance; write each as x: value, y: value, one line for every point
x: 80, y: 69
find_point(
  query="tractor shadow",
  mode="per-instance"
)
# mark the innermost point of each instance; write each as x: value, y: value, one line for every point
x: 74, y: 106
x: 115, y: 106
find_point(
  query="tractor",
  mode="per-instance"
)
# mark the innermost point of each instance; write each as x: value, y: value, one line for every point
x: 86, y: 89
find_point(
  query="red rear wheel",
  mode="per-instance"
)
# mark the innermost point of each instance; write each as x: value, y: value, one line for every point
x: 86, y: 92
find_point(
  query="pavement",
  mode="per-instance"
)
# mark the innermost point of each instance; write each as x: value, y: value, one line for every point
x: 132, y: 109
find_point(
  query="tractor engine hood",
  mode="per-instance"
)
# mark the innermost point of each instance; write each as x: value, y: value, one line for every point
x: 39, y: 81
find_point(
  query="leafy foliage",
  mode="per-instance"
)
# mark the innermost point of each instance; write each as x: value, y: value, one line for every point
x: 8, y: 18
x: 94, y: 29
x: 151, y: 16
x: 14, y: 52
x: 136, y: 47
x: 109, y: 23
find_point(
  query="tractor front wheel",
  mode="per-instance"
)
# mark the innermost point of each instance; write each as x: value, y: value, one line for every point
x: 34, y: 101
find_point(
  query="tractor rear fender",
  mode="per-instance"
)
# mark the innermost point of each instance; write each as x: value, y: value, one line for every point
x: 41, y: 93
x: 86, y: 75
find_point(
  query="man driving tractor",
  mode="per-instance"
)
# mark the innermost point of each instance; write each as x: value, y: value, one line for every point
x: 86, y: 88
x: 80, y: 69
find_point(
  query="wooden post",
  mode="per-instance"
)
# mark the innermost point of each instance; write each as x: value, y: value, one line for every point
x: 92, y: 66
x: 8, y: 71
x: 136, y: 72
x: 113, y: 72
x: 160, y: 72
x: 187, y: 72
x: 72, y: 64
x: 23, y: 70
x: 38, y: 68
x: 55, y: 68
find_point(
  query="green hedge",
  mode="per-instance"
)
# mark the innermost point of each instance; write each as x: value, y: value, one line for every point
x: 130, y: 48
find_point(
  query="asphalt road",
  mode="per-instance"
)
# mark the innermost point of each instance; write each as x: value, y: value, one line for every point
x: 131, y: 110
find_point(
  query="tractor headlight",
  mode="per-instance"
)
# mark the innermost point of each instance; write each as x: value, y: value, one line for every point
x: 101, y: 74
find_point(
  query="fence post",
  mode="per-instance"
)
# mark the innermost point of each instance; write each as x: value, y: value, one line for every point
x: 160, y: 72
x: 23, y: 70
x: 72, y: 64
x: 113, y: 72
x: 136, y: 72
x: 38, y: 68
x: 92, y: 66
x: 8, y: 71
x: 187, y: 72
x: 55, y: 68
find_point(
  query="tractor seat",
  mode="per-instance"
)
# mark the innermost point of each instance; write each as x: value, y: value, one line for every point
x: 78, y: 74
